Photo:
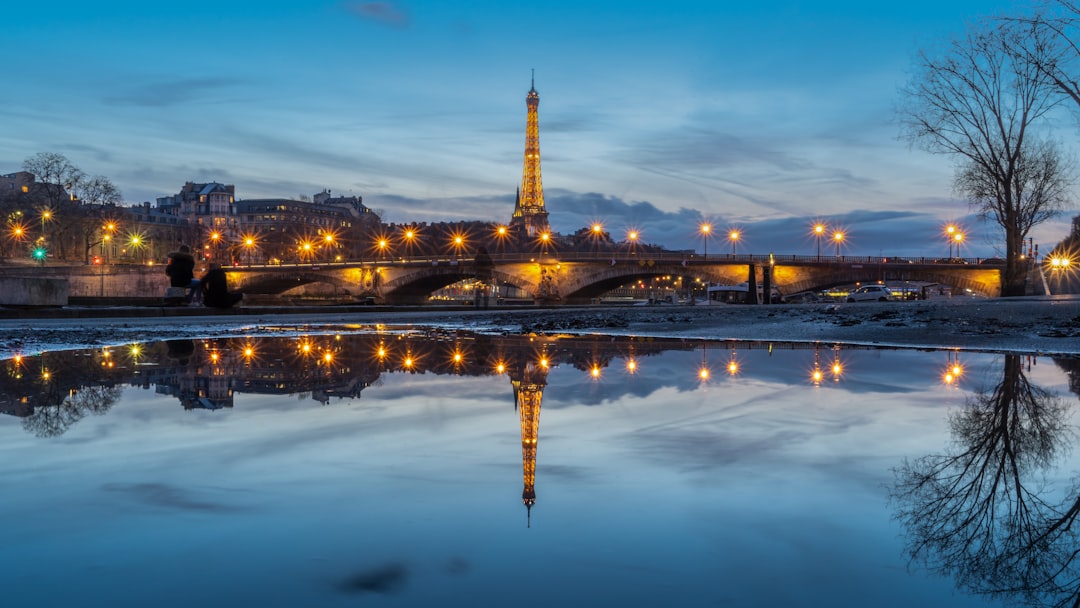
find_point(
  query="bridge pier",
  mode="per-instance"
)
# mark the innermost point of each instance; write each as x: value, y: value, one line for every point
x: 751, y: 285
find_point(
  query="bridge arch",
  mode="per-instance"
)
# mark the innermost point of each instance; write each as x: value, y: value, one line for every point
x: 275, y: 283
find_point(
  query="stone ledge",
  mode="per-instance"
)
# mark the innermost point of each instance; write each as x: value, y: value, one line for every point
x: 33, y: 292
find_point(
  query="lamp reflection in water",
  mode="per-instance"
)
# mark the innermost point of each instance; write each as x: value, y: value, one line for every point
x: 703, y: 371
x: 837, y: 365
x: 816, y: 374
x: 733, y: 362
x: 953, y: 369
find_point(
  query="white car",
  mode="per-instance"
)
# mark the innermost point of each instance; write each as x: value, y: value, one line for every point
x: 871, y: 293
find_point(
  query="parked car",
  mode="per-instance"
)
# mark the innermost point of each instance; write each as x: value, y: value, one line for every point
x: 871, y: 293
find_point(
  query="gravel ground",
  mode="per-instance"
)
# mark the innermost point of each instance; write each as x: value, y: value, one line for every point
x: 1031, y: 325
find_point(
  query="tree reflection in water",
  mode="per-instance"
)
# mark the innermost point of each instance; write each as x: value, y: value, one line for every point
x: 55, y: 418
x: 981, y: 513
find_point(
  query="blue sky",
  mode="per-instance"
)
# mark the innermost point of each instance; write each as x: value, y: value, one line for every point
x: 762, y: 116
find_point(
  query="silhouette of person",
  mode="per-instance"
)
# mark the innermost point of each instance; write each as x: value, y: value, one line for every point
x: 181, y: 272
x: 215, y: 289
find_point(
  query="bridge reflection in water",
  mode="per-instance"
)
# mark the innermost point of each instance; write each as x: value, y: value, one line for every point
x: 696, y: 411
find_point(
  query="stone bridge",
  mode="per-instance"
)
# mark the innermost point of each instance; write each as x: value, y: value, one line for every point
x: 565, y: 278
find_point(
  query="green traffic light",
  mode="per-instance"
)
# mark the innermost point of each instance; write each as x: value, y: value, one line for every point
x: 39, y: 253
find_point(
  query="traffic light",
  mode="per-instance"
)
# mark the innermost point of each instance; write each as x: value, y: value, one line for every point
x: 39, y: 254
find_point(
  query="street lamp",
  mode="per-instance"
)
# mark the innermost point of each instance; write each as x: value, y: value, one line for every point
x: 249, y: 244
x: 819, y: 231
x: 958, y: 238
x: 596, y: 235
x: 136, y: 244
x: 46, y: 215
x: 305, y: 250
x: 545, y: 238
x: 632, y: 238
x: 838, y: 237
x: 734, y: 237
x: 214, y: 238
x: 950, y: 230
x: 706, y: 228
x: 457, y: 241
x: 328, y: 238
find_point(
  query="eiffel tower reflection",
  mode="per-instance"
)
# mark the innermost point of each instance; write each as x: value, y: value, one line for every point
x: 529, y: 377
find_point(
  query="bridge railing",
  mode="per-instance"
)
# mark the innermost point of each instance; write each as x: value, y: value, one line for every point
x: 622, y: 257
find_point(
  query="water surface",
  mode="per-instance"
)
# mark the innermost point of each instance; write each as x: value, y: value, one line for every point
x: 397, y: 469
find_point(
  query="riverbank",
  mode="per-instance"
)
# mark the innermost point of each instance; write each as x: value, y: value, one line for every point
x: 1030, y: 325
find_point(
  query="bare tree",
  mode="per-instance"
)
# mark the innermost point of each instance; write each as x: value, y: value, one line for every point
x: 58, y: 175
x: 99, y: 197
x: 981, y: 103
x: 1052, y: 43
x: 982, y: 513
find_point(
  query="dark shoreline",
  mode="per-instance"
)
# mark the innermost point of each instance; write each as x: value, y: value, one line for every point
x: 1030, y: 325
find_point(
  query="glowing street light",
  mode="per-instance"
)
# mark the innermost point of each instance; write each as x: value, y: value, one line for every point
x: 734, y: 237
x: 215, y: 237
x: 249, y: 245
x: 305, y: 248
x: 958, y: 238
x: 110, y: 230
x: 838, y: 238
x: 705, y: 229
x: 1060, y: 262
x: 328, y: 239
x: 950, y: 230
x: 46, y: 215
x: 819, y: 231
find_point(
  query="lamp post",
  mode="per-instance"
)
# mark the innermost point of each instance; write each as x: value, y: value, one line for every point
x: 819, y: 231
x: 328, y: 238
x: 706, y: 229
x: 632, y: 238
x: 110, y: 229
x: 458, y: 242
x: 136, y: 244
x: 249, y: 244
x: 46, y: 215
x: 838, y: 237
x: 958, y: 238
x: 214, y: 238
x: 734, y: 237
x: 597, y: 233
x: 950, y: 230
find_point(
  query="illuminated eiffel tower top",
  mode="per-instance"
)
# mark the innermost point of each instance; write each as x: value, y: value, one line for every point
x: 529, y: 209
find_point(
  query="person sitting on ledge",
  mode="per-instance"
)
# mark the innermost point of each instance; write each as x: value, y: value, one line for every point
x: 181, y: 272
x: 215, y: 289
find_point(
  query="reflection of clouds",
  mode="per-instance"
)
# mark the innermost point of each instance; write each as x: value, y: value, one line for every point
x: 389, y: 578
x: 169, y: 497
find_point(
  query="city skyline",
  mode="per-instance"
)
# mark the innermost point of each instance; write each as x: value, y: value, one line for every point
x: 761, y: 118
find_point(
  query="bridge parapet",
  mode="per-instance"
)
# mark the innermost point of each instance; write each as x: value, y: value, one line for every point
x: 569, y: 277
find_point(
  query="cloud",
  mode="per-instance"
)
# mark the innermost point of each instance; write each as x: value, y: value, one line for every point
x: 910, y: 233
x: 170, y: 93
x: 386, y: 13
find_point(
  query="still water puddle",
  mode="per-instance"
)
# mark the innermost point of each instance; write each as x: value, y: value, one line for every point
x: 398, y: 469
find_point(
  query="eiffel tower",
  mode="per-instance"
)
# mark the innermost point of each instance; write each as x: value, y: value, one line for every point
x: 530, y: 216
x: 528, y: 396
